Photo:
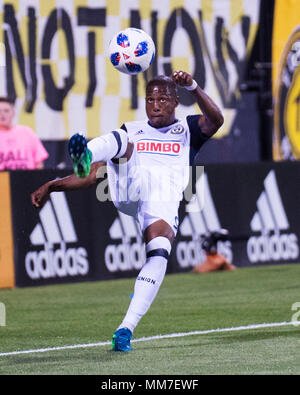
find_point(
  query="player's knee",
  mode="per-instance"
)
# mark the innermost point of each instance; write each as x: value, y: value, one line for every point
x: 159, y: 228
x: 160, y: 247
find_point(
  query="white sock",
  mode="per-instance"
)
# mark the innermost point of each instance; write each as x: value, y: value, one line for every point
x: 148, y: 281
x: 111, y: 145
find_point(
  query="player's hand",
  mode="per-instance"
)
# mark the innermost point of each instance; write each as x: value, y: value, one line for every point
x: 40, y: 196
x: 182, y: 78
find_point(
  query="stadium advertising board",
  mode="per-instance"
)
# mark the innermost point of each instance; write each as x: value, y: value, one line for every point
x: 57, y: 68
x: 74, y: 237
x: 50, y: 247
x: 258, y: 207
x: 286, y: 60
x: 6, y: 235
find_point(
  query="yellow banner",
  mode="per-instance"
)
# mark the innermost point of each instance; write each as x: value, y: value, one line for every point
x: 286, y: 80
x: 58, y: 68
x: 7, y: 279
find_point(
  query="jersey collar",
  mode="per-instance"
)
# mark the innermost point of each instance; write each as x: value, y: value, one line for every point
x: 164, y: 129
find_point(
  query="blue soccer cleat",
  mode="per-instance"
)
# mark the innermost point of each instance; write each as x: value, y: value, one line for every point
x: 80, y: 155
x: 121, y: 340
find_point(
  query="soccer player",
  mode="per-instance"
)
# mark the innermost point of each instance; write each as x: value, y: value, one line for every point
x: 148, y: 181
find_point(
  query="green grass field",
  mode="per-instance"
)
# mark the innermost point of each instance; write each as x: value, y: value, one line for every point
x: 65, y: 315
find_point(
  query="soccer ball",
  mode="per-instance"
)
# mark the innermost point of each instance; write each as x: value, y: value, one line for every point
x: 131, y: 51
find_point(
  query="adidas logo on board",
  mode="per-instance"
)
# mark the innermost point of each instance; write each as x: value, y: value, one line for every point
x: 129, y: 254
x: 202, y: 217
x: 270, y: 220
x: 54, y: 231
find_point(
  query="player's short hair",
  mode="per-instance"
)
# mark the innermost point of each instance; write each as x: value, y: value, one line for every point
x: 5, y: 99
x: 163, y: 80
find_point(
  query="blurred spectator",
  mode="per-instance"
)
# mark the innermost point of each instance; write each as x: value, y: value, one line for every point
x: 20, y: 148
x: 214, y: 261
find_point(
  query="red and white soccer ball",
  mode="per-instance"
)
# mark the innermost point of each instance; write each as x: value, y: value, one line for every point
x: 131, y: 51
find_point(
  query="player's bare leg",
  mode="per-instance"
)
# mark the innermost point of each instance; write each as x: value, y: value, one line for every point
x: 159, y: 228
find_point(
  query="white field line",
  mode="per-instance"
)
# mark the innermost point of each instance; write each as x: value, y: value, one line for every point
x: 157, y: 337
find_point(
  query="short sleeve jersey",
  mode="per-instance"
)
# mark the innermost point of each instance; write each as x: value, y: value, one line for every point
x: 171, y: 149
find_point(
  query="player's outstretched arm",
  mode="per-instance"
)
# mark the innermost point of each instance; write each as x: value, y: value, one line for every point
x: 213, y: 118
x: 69, y: 183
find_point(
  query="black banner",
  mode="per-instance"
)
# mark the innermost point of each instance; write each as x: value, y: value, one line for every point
x: 256, y: 203
x: 63, y: 241
x: 75, y: 237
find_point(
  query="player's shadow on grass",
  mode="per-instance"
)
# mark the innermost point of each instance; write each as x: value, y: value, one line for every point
x: 216, y: 339
x: 99, y: 355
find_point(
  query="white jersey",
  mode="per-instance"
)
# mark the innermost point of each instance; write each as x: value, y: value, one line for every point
x: 163, y: 156
x: 185, y: 132
x: 164, y: 146
x: 159, y: 168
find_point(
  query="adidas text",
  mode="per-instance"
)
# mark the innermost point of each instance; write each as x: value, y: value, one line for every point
x: 124, y: 257
x: 129, y: 253
x: 189, y: 253
x: 201, y: 218
x: 60, y: 262
x: 272, y: 248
